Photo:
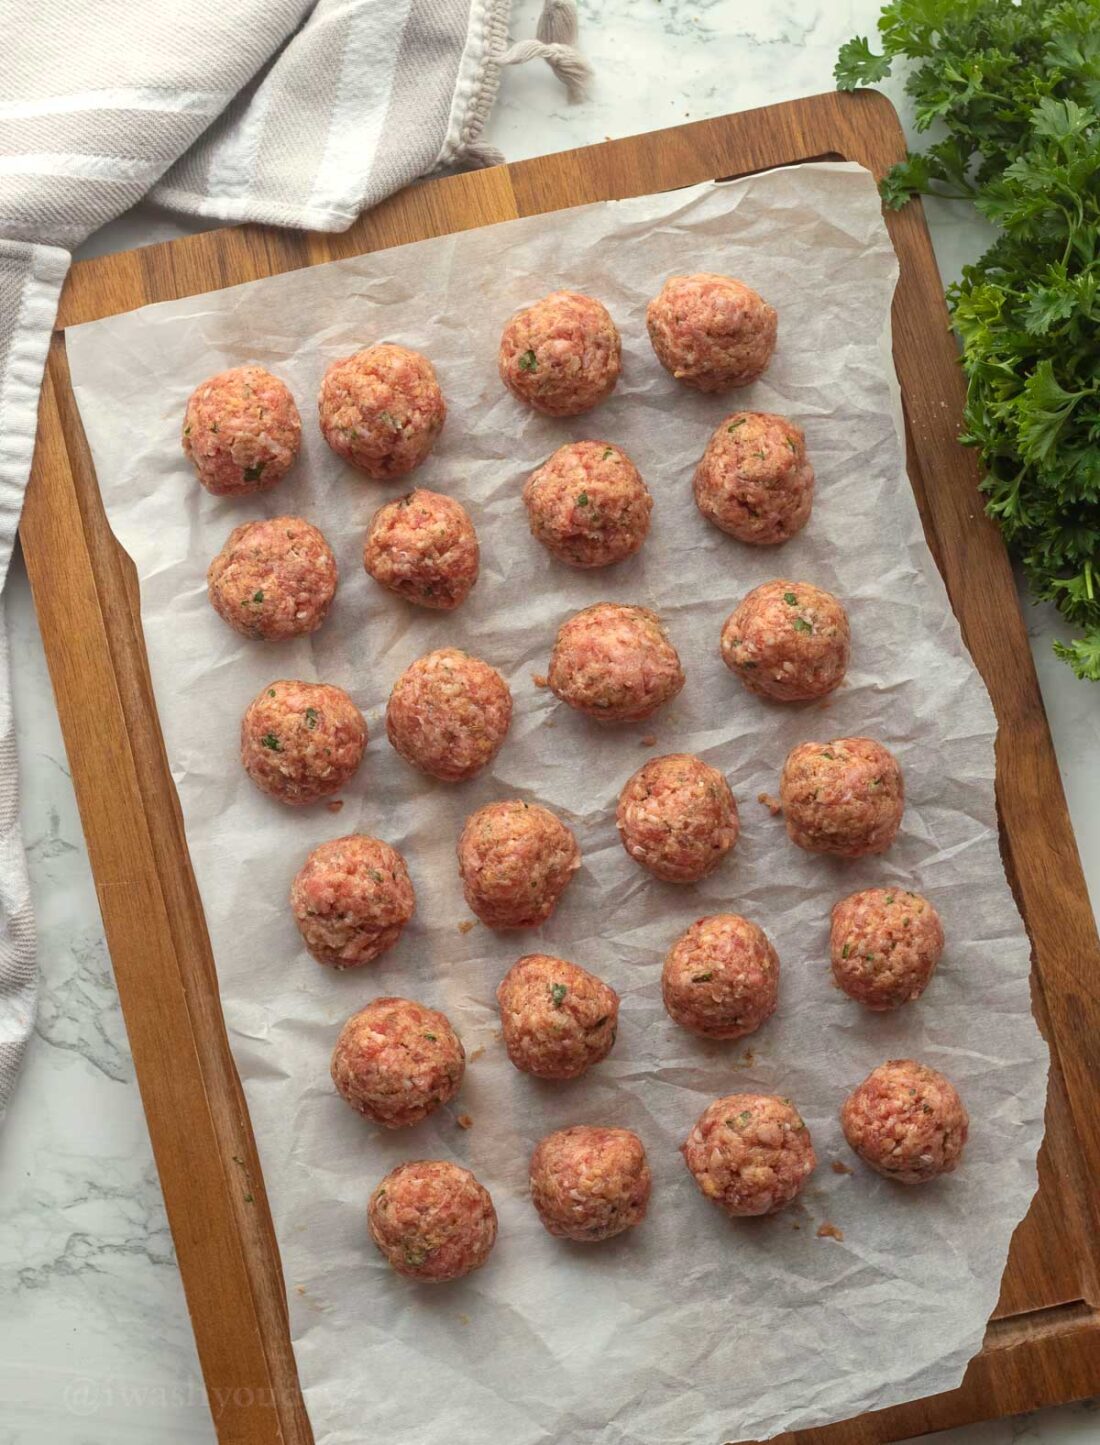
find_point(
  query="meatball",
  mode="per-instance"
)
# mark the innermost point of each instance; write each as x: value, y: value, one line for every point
x: 590, y: 1183
x: 273, y: 579
x: 721, y: 977
x: 615, y: 663
x: 844, y: 797
x: 884, y: 946
x: 750, y: 1153
x: 301, y: 741
x: 906, y: 1121
x: 432, y: 1220
x: 787, y: 641
x: 558, y: 1019
x: 754, y: 481
x: 588, y: 505
x: 677, y: 817
x: 396, y: 1061
x: 562, y: 355
x: 381, y: 410
x: 242, y: 431
x: 711, y: 332
x: 424, y: 548
x: 448, y: 714
x: 351, y: 899
x: 515, y: 860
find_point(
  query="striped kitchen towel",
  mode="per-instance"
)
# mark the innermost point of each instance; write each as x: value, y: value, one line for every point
x: 291, y: 112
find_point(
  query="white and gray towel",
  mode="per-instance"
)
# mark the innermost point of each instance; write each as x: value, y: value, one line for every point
x: 291, y: 112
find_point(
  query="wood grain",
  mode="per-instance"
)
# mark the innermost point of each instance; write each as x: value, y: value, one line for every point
x: 1044, y: 1344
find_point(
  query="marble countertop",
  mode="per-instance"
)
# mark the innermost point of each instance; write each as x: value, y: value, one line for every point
x: 95, y: 1343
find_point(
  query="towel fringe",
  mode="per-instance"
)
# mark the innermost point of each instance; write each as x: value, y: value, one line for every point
x: 556, y: 43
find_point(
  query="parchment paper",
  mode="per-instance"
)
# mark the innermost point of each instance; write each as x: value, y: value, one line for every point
x: 692, y: 1328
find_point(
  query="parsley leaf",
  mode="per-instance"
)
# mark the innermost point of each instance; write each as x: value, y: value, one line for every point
x: 269, y: 740
x: 557, y: 994
x: 528, y: 361
x: 253, y: 474
x: 858, y: 65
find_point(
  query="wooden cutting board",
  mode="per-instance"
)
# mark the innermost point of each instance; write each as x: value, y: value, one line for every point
x: 1043, y: 1344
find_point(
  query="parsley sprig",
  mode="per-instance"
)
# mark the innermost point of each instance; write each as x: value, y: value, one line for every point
x: 1016, y: 89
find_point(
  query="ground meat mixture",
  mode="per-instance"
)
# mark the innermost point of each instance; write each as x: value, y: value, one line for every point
x: 677, y: 818
x: 448, y: 714
x: 562, y: 355
x: 787, y: 641
x: 615, y: 663
x: 424, y: 548
x: 516, y: 860
x: 381, y: 410
x: 754, y: 481
x: 590, y: 1183
x: 884, y: 946
x: 351, y: 899
x: 432, y: 1220
x: 273, y: 580
x: 588, y: 505
x: 557, y: 1019
x: 750, y: 1153
x: 721, y: 977
x: 845, y: 797
x: 711, y: 332
x: 396, y: 1061
x: 906, y: 1121
x: 242, y: 431
x: 302, y: 741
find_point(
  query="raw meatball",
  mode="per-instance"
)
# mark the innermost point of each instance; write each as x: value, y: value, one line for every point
x: 515, y: 859
x: 844, y: 797
x: 448, y: 714
x: 906, y: 1121
x: 273, y: 579
x: 884, y: 946
x: 589, y: 1183
x: 615, y: 663
x: 557, y: 1018
x: 242, y: 431
x: 677, y: 817
x: 424, y: 548
x: 351, y: 899
x: 750, y: 1153
x: 301, y: 741
x: 432, y: 1220
x: 754, y: 481
x: 562, y: 355
x: 381, y: 410
x: 588, y: 505
x: 711, y: 332
x: 721, y: 977
x: 787, y: 641
x: 396, y: 1061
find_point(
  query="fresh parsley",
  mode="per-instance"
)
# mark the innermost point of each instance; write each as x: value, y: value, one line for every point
x: 1014, y: 85
x: 253, y: 474
x: 528, y: 361
x: 557, y: 994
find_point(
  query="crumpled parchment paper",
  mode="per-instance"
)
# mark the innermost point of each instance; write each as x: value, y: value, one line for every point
x: 692, y: 1328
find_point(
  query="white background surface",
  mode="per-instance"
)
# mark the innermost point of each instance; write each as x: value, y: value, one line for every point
x: 95, y: 1345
